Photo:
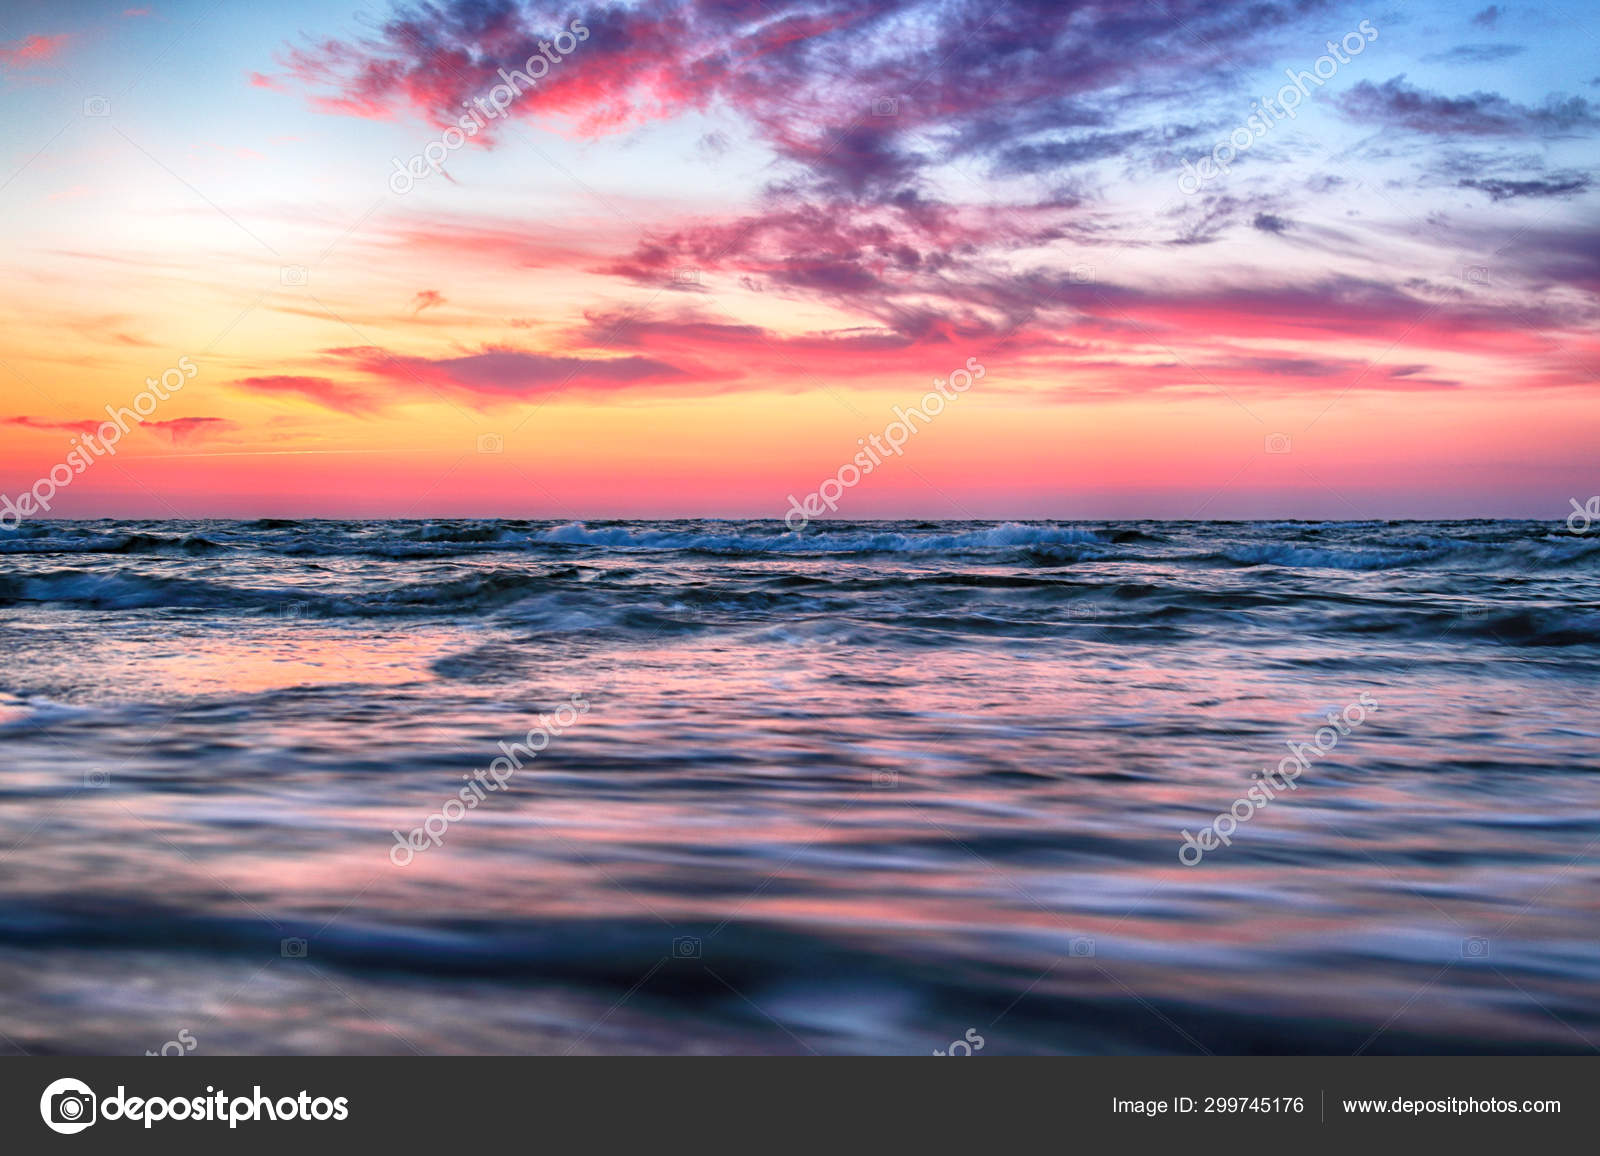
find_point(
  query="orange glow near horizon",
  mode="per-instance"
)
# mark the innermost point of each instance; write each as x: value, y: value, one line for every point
x: 670, y: 300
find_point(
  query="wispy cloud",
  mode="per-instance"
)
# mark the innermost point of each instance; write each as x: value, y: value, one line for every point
x: 32, y: 50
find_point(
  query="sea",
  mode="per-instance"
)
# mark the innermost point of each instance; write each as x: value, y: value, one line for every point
x: 971, y: 788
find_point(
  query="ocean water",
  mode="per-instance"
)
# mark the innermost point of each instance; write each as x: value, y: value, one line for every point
x: 878, y: 787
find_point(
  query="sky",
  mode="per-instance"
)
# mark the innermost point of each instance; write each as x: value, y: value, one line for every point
x: 1300, y: 259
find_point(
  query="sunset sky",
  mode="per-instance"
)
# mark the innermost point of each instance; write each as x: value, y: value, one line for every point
x: 718, y: 242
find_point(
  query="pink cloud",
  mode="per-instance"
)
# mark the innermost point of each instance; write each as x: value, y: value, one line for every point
x: 322, y: 390
x: 183, y: 430
x: 500, y: 373
x: 32, y: 50
x: 177, y: 431
x: 24, y: 421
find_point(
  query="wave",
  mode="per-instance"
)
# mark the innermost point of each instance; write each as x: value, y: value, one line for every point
x: 1401, y: 552
x: 89, y: 542
x: 115, y: 591
x: 125, y: 590
x: 1008, y: 536
x: 1350, y: 546
x: 1278, y: 554
x: 1538, y: 627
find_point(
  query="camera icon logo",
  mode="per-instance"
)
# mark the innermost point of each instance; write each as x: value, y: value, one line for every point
x: 95, y: 777
x: 1277, y: 443
x: 68, y: 1106
x: 1477, y: 947
x: 1081, y: 947
x: 96, y: 106
x: 294, y: 275
x: 686, y: 276
x: 886, y: 106
x: 1081, y: 274
x: 1475, y: 274
x: 885, y: 780
x: 686, y: 947
x: 491, y: 444
x: 294, y: 948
